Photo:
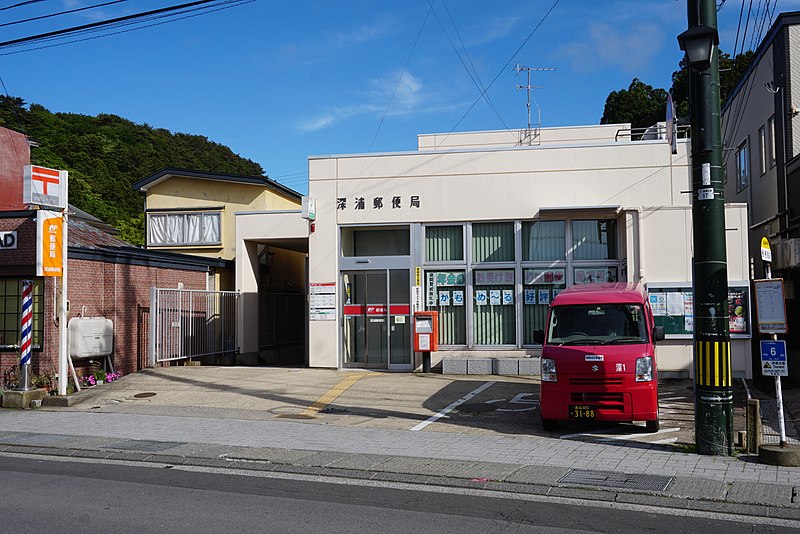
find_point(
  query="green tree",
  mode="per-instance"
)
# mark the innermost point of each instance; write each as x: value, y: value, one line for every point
x: 640, y: 104
x: 730, y: 71
x: 106, y: 154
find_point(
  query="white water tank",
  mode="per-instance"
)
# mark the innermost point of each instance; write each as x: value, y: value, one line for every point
x: 90, y: 337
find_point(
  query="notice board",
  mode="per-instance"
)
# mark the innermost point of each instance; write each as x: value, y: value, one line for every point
x: 673, y: 308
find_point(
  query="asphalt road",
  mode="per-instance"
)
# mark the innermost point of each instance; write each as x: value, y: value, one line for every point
x: 47, y: 495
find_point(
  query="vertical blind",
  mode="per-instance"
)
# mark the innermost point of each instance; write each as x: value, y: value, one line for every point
x: 444, y: 243
x: 493, y: 242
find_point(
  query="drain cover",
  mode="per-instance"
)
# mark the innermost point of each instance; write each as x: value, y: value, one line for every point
x: 33, y: 439
x: 143, y: 445
x: 609, y: 479
x: 144, y: 395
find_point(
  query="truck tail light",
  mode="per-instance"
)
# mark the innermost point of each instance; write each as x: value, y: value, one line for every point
x: 549, y: 370
x: 644, y: 369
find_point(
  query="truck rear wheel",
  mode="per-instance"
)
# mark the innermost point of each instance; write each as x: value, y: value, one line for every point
x: 549, y: 424
x: 652, y: 426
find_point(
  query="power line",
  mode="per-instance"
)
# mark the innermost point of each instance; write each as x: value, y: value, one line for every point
x: 400, y: 79
x: 61, y: 13
x: 476, y: 80
x: 20, y: 4
x: 102, y: 23
x: 174, y: 17
x: 514, y: 55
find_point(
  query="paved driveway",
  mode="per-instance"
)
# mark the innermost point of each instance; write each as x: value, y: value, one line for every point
x: 398, y: 401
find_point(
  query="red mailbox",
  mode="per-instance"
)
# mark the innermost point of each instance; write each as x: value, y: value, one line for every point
x: 426, y: 331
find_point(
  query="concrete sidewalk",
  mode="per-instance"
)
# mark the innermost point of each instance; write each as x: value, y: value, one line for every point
x: 439, y: 455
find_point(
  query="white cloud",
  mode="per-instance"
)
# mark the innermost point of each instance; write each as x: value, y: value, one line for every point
x: 405, y: 91
x: 359, y: 35
x: 606, y: 46
x: 495, y: 30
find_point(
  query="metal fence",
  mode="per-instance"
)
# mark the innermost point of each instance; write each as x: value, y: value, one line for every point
x: 187, y: 323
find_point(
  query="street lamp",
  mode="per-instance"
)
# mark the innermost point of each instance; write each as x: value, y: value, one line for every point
x: 713, y: 373
x: 698, y: 43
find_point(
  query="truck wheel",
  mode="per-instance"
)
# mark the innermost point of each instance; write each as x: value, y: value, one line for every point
x: 549, y: 424
x: 652, y: 426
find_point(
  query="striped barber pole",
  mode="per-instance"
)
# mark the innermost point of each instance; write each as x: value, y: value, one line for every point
x: 27, y: 322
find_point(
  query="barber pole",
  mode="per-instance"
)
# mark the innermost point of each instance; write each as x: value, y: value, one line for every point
x: 27, y: 332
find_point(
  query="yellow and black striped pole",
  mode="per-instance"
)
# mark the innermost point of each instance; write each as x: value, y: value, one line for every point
x: 712, y: 355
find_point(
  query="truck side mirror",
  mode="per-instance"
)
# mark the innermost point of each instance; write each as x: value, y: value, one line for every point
x: 538, y: 337
x: 658, y: 333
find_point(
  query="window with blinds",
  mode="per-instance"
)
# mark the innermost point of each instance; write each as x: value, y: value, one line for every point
x: 594, y: 239
x: 444, y: 243
x: 543, y: 241
x: 179, y: 229
x: 493, y: 242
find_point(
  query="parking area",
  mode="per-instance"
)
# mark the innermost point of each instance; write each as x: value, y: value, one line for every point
x: 399, y: 401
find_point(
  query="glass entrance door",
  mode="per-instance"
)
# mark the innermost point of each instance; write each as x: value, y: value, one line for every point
x: 376, y: 310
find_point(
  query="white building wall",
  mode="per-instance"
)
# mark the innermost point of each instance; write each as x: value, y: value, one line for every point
x: 642, y: 180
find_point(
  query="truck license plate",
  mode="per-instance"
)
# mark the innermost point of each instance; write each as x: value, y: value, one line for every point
x: 581, y: 412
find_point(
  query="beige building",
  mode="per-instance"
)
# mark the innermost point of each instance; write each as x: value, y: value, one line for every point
x: 194, y: 212
x: 486, y: 228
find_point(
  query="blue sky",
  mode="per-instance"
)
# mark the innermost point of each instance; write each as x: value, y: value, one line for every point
x: 279, y: 81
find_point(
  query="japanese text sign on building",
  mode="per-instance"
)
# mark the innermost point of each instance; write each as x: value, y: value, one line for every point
x: 49, y: 243
x: 44, y: 187
x: 378, y: 203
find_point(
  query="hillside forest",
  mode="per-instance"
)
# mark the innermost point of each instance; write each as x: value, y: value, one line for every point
x: 106, y: 154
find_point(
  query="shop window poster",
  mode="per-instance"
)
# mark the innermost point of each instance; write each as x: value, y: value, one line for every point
x: 494, y: 297
x: 458, y: 298
x: 444, y: 298
x: 508, y: 297
x: 530, y: 296
x: 480, y: 297
x: 544, y: 296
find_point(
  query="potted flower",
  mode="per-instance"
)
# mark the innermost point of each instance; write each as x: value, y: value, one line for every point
x: 99, y: 376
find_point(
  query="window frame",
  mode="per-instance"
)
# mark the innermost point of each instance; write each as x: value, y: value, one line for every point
x: 37, y: 334
x: 772, y: 155
x: 762, y: 151
x: 185, y: 242
x: 519, y: 264
x: 743, y: 165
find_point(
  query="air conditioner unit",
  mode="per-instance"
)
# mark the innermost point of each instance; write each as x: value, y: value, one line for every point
x: 790, y: 252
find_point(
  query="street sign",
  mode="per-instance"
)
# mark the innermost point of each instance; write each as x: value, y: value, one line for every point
x: 44, y: 187
x: 766, y: 251
x: 773, y: 358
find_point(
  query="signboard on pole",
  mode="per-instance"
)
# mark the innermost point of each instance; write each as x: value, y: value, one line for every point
x: 770, y: 306
x: 44, y: 187
x: 766, y: 251
x: 49, y: 243
x: 773, y: 358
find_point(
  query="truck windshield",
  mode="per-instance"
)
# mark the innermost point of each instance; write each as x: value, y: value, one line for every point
x: 597, y: 324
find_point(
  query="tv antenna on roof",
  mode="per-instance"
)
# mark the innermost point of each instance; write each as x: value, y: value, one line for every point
x: 528, y: 87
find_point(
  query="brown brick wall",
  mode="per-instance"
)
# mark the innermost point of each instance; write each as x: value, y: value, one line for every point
x: 21, y: 260
x: 115, y: 291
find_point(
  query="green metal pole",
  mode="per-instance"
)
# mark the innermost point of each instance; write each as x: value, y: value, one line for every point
x: 712, y: 361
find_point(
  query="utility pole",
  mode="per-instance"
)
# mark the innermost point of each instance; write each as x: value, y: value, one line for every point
x: 713, y: 383
x: 528, y: 87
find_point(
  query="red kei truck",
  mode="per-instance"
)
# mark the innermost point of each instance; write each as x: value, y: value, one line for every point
x: 598, y: 356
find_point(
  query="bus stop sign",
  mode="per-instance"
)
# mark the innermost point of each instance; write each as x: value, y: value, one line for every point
x: 773, y: 358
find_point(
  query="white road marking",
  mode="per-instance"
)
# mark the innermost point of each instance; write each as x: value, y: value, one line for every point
x: 453, y: 406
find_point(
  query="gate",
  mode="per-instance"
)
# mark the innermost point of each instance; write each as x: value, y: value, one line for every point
x: 187, y: 323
